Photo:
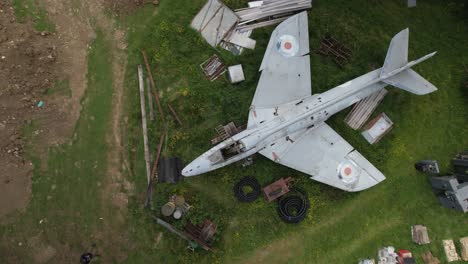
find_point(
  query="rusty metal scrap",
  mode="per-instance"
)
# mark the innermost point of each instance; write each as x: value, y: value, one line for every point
x: 202, y: 234
x: 277, y: 189
x: 226, y: 131
x: 329, y: 46
x: 213, y: 67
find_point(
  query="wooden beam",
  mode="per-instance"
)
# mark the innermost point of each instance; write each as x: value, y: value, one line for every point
x: 156, y: 94
x: 176, y: 117
x: 143, y: 122
x: 150, y: 98
x: 158, y: 154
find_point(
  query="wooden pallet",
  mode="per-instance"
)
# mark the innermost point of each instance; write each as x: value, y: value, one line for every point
x: 364, y: 109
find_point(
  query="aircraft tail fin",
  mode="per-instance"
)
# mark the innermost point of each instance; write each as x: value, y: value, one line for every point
x: 411, y: 81
x: 397, y: 60
x: 397, y: 54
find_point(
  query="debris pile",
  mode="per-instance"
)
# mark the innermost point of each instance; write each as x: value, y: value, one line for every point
x: 460, y: 163
x: 331, y: 47
x: 428, y: 258
x: 277, y: 189
x: 236, y: 74
x: 362, y: 110
x: 420, y: 235
x: 268, y: 12
x: 464, y: 248
x: 450, y: 192
x: 202, y: 234
x: 377, y: 128
x: 213, y: 67
x: 450, y: 251
x: 387, y: 255
x: 176, y: 206
x: 220, y: 26
x: 427, y: 166
x: 215, y: 22
x: 405, y: 257
x: 226, y: 131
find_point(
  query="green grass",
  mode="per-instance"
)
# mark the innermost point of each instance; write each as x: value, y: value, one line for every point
x: 32, y: 9
x: 65, y: 187
x: 60, y: 87
x: 341, y: 227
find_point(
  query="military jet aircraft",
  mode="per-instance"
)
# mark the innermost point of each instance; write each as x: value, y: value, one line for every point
x: 287, y: 124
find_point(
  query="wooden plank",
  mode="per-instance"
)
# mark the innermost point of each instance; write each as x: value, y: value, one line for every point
x: 364, y: 109
x: 176, y: 117
x: 156, y: 94
x: 154, y: 175
x: 150, y: 99
x: 143, y: 122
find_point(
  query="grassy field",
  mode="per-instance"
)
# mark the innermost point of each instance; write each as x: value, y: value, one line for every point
x: 65, y: 208
x: 341, y: 227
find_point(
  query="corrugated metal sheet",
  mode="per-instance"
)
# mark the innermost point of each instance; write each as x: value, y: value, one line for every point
x: 214, y: 22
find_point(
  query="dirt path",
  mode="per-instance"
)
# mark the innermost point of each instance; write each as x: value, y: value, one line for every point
x: 75, y: 24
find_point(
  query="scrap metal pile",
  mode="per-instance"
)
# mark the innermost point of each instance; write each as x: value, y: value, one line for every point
x: 293, y: 202
x: 331, y: 47
x: 221, y: 26
x: 268, y: 12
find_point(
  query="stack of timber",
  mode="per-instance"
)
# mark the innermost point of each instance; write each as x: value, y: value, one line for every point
x: 269, y: 12
x: 363, y: 109
x: 220, y: 26
x: 214, y: 22
x: 226, y: 131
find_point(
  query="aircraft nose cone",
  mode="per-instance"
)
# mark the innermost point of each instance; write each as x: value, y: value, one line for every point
x: 188, y: 171
x: 198, y: 166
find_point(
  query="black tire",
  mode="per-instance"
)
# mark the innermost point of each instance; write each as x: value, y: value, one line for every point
x: 250, y: 196
x: 296, y: 200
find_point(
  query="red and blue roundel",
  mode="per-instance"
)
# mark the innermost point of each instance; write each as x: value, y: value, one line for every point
x: 287, y: 45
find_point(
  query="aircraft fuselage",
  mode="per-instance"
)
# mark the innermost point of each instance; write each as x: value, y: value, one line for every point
x: 305, y: 113
x: 302, y: 114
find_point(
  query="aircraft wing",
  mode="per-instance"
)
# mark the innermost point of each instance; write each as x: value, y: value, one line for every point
x: 327, y: 157
x: 285, y: 69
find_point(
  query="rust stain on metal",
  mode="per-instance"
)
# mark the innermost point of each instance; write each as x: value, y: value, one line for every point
x: 202, y: 234
x: 277, y: 189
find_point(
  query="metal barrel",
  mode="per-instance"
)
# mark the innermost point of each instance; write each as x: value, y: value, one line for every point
x: 178, y: 213
x: 168, y: 209
x: 179, y: 200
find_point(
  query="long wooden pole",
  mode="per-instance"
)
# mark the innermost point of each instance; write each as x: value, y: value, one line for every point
x: 150, y: 98
x: 156, y: 94
x: 143, y: 122
x: 156, y: 160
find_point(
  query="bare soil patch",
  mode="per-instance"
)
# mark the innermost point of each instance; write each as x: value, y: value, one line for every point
x: 28, y: 70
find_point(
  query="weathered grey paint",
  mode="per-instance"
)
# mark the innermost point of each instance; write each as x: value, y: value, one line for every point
x: 286, y: 123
